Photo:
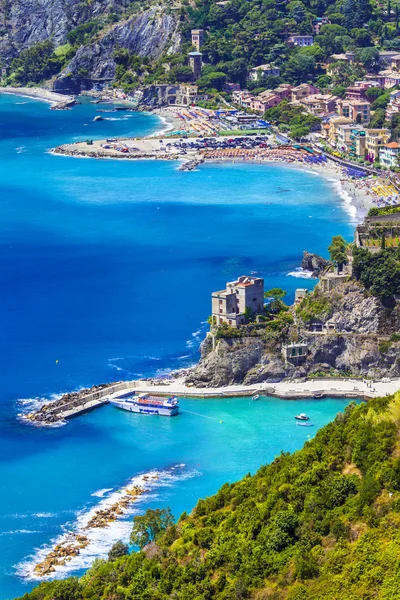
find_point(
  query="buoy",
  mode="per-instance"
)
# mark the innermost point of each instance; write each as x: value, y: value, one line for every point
x: 57, y: 361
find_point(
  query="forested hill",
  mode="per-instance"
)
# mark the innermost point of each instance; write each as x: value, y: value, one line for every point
x: 131, y: 42
x: 323, y: 523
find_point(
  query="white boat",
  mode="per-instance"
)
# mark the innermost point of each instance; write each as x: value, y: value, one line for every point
x: 256, y: 397
x: 302, y: 417
x: 148, y: 405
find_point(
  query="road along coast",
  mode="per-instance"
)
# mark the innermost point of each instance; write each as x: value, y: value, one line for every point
x: 76, y: 403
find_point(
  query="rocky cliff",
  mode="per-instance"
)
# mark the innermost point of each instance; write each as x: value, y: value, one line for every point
x: 150, y: 34
x: 147, y: 33
x: 362, y: 341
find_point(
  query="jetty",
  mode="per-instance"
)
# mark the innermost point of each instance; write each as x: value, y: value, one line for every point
x: 76, y: 403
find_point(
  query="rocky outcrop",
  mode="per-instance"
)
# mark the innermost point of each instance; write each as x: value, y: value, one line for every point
x: 361, y: 344
x: 314, y: 264
x: 151, y: 34
x: 27, y: 22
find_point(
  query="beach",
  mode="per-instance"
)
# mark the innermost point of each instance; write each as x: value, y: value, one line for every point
x: 38, y: 94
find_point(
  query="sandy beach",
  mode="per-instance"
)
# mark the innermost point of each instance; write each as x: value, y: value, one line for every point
x: 38, y: 94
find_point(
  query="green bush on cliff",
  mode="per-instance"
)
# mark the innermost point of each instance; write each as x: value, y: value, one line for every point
x: 320, y: 524
x: 379, y: 273
x: 315, y: 306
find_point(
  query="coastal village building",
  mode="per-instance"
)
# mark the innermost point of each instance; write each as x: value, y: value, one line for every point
x: 386, y: 57
x: 319, y: 104
x: 374, y: 141
x: 346, y: 138
x: 295, y: 352
x: 391, y: 78
x: 393, y: 108
x: 395, y: 64
x: 188, y: 95
x: 197, y: 38
x: 196, y: 63
x: 353, y: 109
x: 301, y: 40
x: 334, y: 125
x: 303, y: 91
x: 257, y: 73
x: 318, y: 23
x: 240, y: 296
x: 389, y: 155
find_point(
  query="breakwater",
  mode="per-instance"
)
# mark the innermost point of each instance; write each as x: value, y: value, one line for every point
x: 75, y: 403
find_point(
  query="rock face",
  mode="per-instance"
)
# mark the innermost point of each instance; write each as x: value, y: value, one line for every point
x: 150, y: 34
x: 360, y: 344
x: 27, y: 22
x: 314, y: 263
x: 24, y: 23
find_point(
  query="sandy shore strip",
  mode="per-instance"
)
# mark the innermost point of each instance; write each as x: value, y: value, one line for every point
x: 38, y: 94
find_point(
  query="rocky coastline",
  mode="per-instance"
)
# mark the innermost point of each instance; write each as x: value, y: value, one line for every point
x: 360, y: 344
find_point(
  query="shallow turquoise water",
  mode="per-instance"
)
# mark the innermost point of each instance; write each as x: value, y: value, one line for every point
x: 107, y: 268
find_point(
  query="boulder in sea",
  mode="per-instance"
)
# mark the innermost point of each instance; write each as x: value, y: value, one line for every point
x: 314, y: 263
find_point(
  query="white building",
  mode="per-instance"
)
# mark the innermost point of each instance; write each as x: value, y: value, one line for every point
x: 301, y: 40
x: 389, y: 154
x: 257, y: 73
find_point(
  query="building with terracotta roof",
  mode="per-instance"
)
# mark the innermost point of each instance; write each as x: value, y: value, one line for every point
x: 319, y: 104
x: 354, y: 109
x: 241, y: 297
x: 393, y: 108
x: 389, y: 155
x: 303, y: 91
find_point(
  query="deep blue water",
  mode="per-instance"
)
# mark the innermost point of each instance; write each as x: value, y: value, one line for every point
x: 107, y: 267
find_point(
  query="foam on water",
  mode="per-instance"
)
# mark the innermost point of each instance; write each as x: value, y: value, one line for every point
x: 101, y: 539
x: 301, y: 273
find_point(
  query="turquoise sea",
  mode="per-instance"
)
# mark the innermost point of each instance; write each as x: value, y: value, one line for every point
x: 107, y: 267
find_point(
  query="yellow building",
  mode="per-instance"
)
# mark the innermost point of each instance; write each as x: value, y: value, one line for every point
x: 374, y: 141
x: 334, y: 125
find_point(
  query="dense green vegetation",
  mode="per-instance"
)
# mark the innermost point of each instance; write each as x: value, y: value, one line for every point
x: 320, y: 524
x: 39, y: 62
x: 384, y: 210
x: 379, y: 273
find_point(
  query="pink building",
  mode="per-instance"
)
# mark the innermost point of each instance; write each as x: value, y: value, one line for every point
x: 353, y: 108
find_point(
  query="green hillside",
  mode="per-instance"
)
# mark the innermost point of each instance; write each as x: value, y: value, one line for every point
x: 323, y: 523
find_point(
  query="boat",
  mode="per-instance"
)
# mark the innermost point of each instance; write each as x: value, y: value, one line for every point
x: 256, y: 397
x: 318, y: 395
x: 148, y: 405
x: 305, y: 424
x: 302, y: 417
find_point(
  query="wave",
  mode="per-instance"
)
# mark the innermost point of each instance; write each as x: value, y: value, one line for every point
x: 93, y: 541
x: 348, y: 205
x: 44, y: 515
x: 301, y: 273
x: 197, y: 336
x: 101, y: 493
x: 18, y: 531
x: 114, y: 118
x: 20, y: 149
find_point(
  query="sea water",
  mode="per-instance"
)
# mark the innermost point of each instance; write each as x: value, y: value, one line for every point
x: 106, y: 273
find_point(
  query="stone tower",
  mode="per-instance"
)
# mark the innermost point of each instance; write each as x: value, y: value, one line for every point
x: 195, y: 62
x: 197, y: 38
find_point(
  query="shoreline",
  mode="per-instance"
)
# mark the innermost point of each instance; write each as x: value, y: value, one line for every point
x: 58, y: 412
x: 36, y: 93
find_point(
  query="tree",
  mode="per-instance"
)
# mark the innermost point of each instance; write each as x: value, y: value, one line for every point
x: 338, y: 251
x: 147, y: 527
x: 117, y: 550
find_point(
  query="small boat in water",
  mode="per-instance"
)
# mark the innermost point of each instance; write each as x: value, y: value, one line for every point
x: 302, y: 417
x: 256, y: 397
x: 148, y: 405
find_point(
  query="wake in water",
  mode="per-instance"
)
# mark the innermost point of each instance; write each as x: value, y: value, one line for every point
x: 97, y: 529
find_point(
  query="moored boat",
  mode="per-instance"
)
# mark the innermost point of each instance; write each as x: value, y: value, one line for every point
x: 302, y: 417
x: 148, y: 405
